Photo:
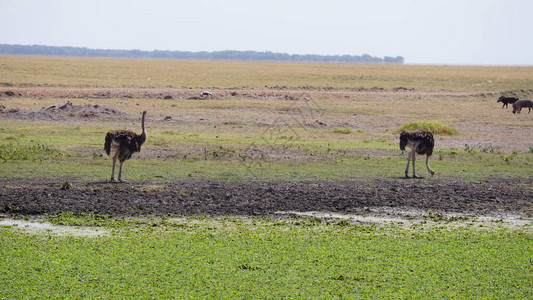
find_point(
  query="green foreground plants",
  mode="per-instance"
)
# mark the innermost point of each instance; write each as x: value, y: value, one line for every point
x: 234, y: 258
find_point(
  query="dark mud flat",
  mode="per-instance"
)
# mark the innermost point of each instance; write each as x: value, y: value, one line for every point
x: 216, y: 198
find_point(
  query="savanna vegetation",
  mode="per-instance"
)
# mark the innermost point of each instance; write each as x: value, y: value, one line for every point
x: 265, y: 121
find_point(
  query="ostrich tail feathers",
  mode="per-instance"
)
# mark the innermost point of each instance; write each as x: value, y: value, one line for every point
x: 107, y: 145
x: 403, y: 141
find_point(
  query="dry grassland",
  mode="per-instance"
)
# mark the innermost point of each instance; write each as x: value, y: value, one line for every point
x: 96, y: 72
x: 297, y: 110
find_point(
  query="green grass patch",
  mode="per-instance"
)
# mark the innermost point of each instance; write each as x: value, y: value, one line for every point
x: 435, y: 127
x: 62, y: 136
x: 33, y: 152
x: 345, y: 130
x: 457, y: 164
x: 315, y: 154
x: 203, y: 258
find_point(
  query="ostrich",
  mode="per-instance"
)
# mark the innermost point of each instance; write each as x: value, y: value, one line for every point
x: 421, y: 142
x: 124, y: 143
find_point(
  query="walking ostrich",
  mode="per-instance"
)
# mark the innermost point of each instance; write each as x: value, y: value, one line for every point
x: 421, y: 142
x: 124, y: 143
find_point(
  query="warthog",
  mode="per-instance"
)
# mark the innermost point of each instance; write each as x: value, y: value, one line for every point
x: 507, y: 100
x: 517, y: 106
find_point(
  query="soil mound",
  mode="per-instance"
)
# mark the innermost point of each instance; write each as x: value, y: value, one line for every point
x: 60, y: 111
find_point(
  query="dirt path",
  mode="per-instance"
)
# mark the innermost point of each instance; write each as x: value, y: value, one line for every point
x: 185, y: 93
x: 193, y: 197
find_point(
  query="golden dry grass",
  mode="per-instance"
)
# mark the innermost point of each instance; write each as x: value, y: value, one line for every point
x: 61, y: 71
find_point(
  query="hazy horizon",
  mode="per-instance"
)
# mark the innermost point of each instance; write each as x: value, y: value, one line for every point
x: 438, y: 32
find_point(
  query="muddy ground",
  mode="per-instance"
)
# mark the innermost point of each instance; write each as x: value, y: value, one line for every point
x: 493, y: 197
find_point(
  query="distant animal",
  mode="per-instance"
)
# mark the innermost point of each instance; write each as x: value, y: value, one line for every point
x: 506, y: 100
x: 421, y: 142
x: 124, y: 143
x: 206, y: 94
x: 518, y: 105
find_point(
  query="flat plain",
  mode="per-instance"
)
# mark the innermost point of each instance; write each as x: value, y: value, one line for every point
x: 292, y: 152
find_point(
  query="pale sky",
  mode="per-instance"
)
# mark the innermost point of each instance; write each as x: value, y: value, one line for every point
x: 465, y: 32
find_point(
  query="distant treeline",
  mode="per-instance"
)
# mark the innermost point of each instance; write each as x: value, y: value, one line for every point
x: 203, y: 55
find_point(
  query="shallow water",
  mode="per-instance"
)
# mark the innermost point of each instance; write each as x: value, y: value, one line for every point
x: 387, y: 215
x: 49, y: 228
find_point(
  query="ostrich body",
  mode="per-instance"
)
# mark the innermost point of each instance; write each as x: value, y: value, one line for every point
x: 421, y: 142
x: 124, y: 143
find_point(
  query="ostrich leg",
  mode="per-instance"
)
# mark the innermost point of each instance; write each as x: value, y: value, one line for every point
x: 120, y: 172
x: 113, y: 170
x: 408, y: 162
x: 414, y: 158
x: 427, y: 166
x: 414, y: 171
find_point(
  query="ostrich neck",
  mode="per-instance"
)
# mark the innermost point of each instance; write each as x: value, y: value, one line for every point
x: 142, y: 137
x: 142, y: 124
